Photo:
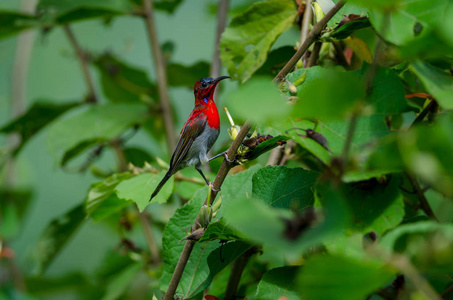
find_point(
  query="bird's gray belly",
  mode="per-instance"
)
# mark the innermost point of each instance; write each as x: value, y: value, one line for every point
x: 197, y: 153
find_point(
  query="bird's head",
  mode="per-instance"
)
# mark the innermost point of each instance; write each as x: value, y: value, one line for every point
x: 204, y: 88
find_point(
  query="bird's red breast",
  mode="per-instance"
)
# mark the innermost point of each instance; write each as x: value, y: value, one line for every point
x: 204, y: 110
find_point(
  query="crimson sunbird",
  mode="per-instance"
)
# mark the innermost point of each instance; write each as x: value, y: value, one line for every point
x: 199, y: 132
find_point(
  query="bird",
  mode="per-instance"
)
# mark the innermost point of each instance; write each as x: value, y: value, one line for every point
x: 198, y: 134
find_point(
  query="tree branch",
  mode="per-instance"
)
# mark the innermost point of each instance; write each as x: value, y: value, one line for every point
x: 424, y: 204
x: 153, y: 249
x: 188, y: 246
x: 222, y: 11
x: 432, y: 106
x: 83, y: 63
x: 161, y: 74
x: 313, y: 60
x: 237, y: 268
x: 311, y: 38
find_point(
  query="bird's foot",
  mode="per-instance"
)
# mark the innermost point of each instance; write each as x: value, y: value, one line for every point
x: 224, y: 154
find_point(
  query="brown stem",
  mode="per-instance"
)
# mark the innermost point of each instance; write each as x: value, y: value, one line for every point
x: 311, y: 38
x: 313, y: 60
x: 222, y: 11
x: 83, y: 63
x: 305, y: 28
x: 276, y: 156
x: 161, y: 73
x: 424, y: 205
x: 188, y: 246
x: 118, y: 148
x: 306, y: 21
x: 237, y: 268
x: 447, y: 292
x: 153, y: 248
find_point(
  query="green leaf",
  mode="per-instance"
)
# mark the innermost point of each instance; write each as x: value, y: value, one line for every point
x: 336, y: 277
x: 428, y: 244
x: 247, y: 40
x: 277, y: 283
x: 204, y: 260
x: 262, y: 148
x: 282, y: 187
x: 57, y: 233
x: 121, y: 281
x: 102, y: 201
x: 41, y: 285
x: 438, y: 82
x: 13, y: 22
x: 66, y: 11
x: 237, y: 185
x: 34, y: 119
x: 257, y: 100
x: 139, y: 189
x: 348, y: 28
x: 137, y: 156
x: 374, y: 206
x: 218, y: 260
x: 330, y: 94
x: 122, y: 83
x: 263, y: 224
x: 422, y: 151
x: 387, y: 92
x: 347, y: 9
x: 407, y: 19
x: 186, y: 76
x: 219, y: 230
x: 13, y: 206
x: 88, y: 123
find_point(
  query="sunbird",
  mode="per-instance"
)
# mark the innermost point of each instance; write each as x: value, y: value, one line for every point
x: 199, y: 132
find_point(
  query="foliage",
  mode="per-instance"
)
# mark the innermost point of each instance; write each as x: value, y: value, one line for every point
x: 360, y: 199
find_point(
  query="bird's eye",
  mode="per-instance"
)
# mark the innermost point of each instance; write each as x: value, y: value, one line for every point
x: 204, y: 84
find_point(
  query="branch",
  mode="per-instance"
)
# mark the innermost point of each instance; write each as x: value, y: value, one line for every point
x: 432, y: 106
x: 161, y: 74
x: 237, y: 268
x: 222, y: 11
x: 83, y: 63
x: 311, y: 38
x: 424, y: 205
x: 153, y: 248
x: 313, y: 60
x: 306, y: 21
x: 188, y: 246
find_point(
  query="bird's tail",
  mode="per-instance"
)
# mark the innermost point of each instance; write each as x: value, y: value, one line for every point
x: 161, y: 184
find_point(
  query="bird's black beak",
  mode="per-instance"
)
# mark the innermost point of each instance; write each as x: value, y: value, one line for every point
x: 218, y: 79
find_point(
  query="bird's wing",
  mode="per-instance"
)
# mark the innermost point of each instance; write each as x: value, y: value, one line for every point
x: 191, y: 130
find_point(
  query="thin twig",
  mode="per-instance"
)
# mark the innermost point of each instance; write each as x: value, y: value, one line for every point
x: 305, y: 27
x: 117, y: 145
x: 276, y: 156
x: 313, y: 60
x: 222, y: 12
x: 350, y: 135
x: 237, y: 268
x: 153, y: 248
x: 188, y: 246
x: 429, y: 108
x: 447, y: 292
x: 311, y: 38
x: 405, y: 266
x: 161, y: 74
x: 424, y: 205
x: 83, y: 63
